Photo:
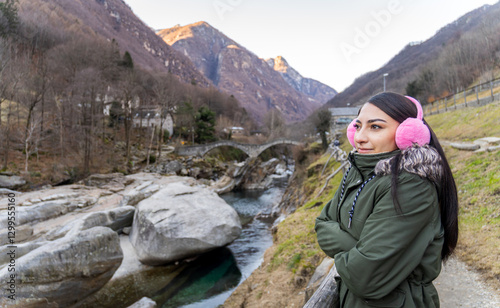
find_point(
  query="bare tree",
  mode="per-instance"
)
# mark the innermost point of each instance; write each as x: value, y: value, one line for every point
x: 86, y: 87
x: 275, y: 124
x: 31, y: 140
x: 33, y: 89
x: 322, y: 122
x: 128, y: 89
x: 167, y: 94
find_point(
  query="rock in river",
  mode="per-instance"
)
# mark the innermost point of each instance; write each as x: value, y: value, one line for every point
x: 64, y: 271
x: 182, y: 221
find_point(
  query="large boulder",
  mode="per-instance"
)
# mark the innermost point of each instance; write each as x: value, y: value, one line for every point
x: 47, y: 207
x: 182, y: 221
x: 21, y: 250
x: 64, y: 271
x: 114, y: 181
x: 139, y: 193
x: 11, y: 182
x: 115, y: 219
x: 144, y: 302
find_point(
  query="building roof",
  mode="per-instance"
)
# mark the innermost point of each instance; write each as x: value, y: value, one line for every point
x: 344, y: 111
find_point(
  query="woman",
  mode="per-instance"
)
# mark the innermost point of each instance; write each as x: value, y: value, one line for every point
x: 393, y: 219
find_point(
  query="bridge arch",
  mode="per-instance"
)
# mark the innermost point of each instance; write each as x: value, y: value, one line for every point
x: 252, y: 150
x: 224, y: 143
x: 261, y: 148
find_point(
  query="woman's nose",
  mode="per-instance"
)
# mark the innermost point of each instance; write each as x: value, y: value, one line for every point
x: 360, y: 136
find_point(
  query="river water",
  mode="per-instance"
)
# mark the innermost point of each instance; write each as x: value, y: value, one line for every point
x: 212, y: 279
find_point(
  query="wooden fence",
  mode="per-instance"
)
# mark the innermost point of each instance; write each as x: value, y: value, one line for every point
x: 479, y: 95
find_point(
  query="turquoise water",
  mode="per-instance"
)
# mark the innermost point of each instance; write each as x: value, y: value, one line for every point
x: 210, y: 283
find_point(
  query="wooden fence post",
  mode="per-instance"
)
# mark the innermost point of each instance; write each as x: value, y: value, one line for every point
x: 326, y: 295
x: 477, y: 95
x: 491, y: 90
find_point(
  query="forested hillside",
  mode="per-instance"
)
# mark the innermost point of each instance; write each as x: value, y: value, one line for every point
x: 74, y: 103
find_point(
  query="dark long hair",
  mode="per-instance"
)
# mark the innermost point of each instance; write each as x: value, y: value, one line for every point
x: 400, y: 108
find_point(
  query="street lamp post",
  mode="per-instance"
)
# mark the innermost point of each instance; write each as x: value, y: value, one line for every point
x: 384, y: 79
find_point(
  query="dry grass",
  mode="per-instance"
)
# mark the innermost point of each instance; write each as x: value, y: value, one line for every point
x: 477, y: 176
x: 478, y: 180
x: 467, y: 124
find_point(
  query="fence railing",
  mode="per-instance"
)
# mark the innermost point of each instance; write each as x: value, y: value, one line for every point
x: 479, y: 95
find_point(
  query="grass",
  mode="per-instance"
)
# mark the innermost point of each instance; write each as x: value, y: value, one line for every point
x: 295, y: 243
x: 477, y: 175
x: 478, y: 179
x: 467, y: 124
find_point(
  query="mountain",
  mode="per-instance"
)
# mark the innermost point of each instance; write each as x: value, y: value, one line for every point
x: 257, y: 85
x: 308, y: 86
x: 113, y: 19
x: 458, y: 54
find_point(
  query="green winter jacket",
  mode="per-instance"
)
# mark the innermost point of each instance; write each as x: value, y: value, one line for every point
x: 385, y: 259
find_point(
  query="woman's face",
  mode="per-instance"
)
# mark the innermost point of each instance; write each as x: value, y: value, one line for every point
x: 375, y: 131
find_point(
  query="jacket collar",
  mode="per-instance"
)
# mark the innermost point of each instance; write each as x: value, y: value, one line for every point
x: 366, y: 163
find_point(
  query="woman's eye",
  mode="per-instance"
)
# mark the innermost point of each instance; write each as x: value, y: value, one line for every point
x: 375, y: 126
x: 356, y: 126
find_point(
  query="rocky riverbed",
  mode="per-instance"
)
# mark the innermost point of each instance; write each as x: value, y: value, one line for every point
x: 83, y: 243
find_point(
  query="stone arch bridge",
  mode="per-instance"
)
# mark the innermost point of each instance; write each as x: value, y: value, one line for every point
x: 252, y: 150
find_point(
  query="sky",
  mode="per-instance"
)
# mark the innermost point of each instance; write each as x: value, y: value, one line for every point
x: 332, y: 41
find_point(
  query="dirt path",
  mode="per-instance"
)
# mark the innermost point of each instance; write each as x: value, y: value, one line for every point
x: 460, y: 287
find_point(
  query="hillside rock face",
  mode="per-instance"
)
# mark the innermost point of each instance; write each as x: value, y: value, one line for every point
x: 308, y: 86
x: 113, y: 19
x: 237, y: 71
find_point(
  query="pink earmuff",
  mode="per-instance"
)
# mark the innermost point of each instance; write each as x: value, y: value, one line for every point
x: 350, y: 132
x: 410, y: 131
x: 413, y: 130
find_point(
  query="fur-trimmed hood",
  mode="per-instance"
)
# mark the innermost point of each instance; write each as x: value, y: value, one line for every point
x: 424, y: 161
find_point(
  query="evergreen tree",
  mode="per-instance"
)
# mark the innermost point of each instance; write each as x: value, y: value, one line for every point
x: 115, y: 114
x: 8, y: 18
x: 205, y: 125
x: 127, y: 60
x: 322, y: 123
x: 413, y: 89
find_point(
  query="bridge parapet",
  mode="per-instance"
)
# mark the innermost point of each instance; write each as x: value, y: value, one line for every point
x: 252, y: 150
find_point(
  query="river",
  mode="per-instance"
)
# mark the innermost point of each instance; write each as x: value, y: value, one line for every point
x: 210, y: 281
